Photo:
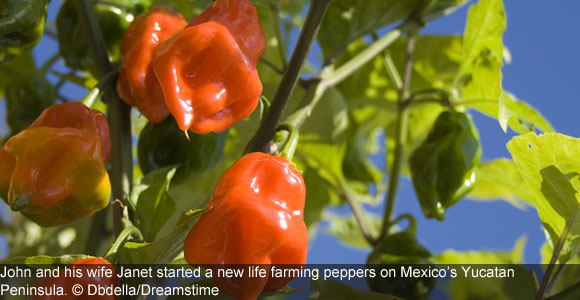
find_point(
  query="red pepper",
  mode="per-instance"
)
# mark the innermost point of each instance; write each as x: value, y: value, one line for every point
x: 72, y: 283
x: 208, y: 70
x: 53, y: 172
x: 256, y: 217
x: 137, y: 84
x: 241, y: 19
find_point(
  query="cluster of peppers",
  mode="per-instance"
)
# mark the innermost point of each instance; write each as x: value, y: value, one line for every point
x: 204, y: 75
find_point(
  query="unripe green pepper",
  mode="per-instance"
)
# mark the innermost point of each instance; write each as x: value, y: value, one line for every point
x: 21, y: 25
x: 443, y: 166
x: 26, y: 100
x: 114, y: 16
x: 401, y: 248
x: 164, y: 144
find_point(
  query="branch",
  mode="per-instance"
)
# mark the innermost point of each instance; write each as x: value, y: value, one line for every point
x: 119, y: 115
x: 369, y: 53
x: 359, y: 216
x: 400, y: 135
x: 544, y: 290
x: 263, y: 137
x: 330, y: 78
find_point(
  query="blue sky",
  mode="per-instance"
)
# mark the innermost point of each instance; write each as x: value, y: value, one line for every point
x: 542, y: 37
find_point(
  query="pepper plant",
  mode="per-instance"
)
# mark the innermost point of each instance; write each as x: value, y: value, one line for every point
x: 239, y: 136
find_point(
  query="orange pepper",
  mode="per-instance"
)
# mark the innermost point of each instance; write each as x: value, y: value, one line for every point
x: 53, y: 172
x: 208, y: 70
x: 137, y: 84
x: 256, y: 218
x: 68, y: 283
x: 241, y: 19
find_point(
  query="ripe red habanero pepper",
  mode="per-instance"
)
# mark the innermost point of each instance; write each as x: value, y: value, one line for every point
x: 53, y: 172
x: 241, y: 19
x: 68, y: 282
x: 137, y: 84
x: 256, y: 217
x: 208, y: 70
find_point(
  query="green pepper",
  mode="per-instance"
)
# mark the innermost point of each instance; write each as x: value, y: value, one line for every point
x: 26, y: 100
x: 114, y: 16
x: 443, y: 166
x: 21, y: 25
x: 164, y: 144
x: 401, y: 249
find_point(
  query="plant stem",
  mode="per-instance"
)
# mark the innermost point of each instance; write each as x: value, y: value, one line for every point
x: 330, y: 78
x: 358, y: 215
x: 400, y: 136
x: 554, y: 278
x: 119, y: 115
x: 263, y: 137
x: 271, y: 65
x: 369, y: 53
x: 129, y: 231
x: 544, y: 290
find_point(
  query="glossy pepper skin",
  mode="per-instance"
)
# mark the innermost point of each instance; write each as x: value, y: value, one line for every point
x: 53, y: 172
x: 26, y: 100
x: 256, y: 217
x: 241, y: 19
x: 114, y: 17
x: 21, y: 25
x: 84, y: 281
x: 208, y: 70
x: 161, y: 145
x: 137, y: 84
x: 396, y: 249
x: 443, y: 166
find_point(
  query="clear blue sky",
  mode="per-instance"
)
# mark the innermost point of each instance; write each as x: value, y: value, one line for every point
x: 542, y: 37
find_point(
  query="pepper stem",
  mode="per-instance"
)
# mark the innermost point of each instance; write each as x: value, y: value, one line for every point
x: 120, y: 241
x: 412, y: 227
x: 289, y: 147
x: 20, y: 203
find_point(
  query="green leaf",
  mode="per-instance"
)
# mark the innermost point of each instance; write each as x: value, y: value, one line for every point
x: 46, y: 260
x: 514, y: 113
x: 322, y: 143
x: 347, y: 230
x: 348, y: 20
x: 19, y: 68
x: 480, y: 69
x: 330, y: 289
x: 501, y: 179
x: 163, y: 250
x: 188, y: 8
x: 468, y: 287
x: 151, y: 201
x: 319, y: 194
x: 550, y: 163
x: 436, y: 64
x: 514, y: 256
x: 363, y: 141
x: 438, y: 8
